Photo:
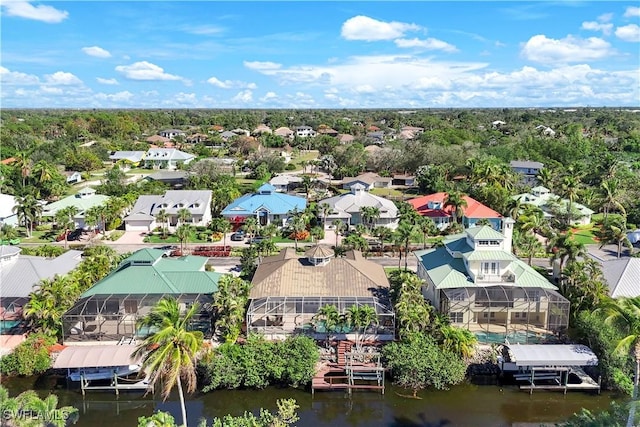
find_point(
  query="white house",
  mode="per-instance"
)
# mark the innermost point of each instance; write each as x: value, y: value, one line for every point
x: 144, y: 212
x: 85, y: 199
x: 171, y: 133
x: 305, y: 131
x: 7, y: 216
x: 166, y: 158
x: 346, y: 207
x: 549, y: 203
x: 73, y: 177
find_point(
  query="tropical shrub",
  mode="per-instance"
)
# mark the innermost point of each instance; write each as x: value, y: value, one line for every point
x: 258, y: 363
x: 299, y: 235
x: 13, y: 410
x: 29, y: 357
x: 419, y: 363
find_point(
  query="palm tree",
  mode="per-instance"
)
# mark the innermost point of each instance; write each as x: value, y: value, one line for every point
x: 616, y: 234
x: 338, y: 227
x: 24, y: 164
x: 28, y: 402
x: 183, y: 233
x: 361, y: 317
x: 457, y: 202
x: 65, y: 218
x: 183, y: 215
x: 162, y: 217
x: 529, y: 245
x: 369, y: 214
x: 229, y: 303
x: 251, y: 226
x: 28, y: 210
x: 570, y: 186
x: 298, y: 225
x: 610, y: 197
x: 324, y: 209
x: 330, y: 317
x: 403, y: 235
x: 459, y: 341
x: 564, y: 248
x: 625, y: 313
x: 427, y: 227
x: 44, y: 170
x: 383, y: 233
x: 307, y: 184
x: 545, y: 178
x: 170, y: 354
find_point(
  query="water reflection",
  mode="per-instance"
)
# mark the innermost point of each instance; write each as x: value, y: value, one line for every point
x: 465, y: 405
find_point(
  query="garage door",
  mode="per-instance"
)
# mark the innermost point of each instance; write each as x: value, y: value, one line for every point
x: 137, y: 225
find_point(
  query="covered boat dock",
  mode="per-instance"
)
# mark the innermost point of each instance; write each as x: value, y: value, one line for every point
x: 101, y: 362
x: 550, y: 366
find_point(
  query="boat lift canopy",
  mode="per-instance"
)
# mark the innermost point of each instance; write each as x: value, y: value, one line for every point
x: 552, y: 355
x: 95, y: 356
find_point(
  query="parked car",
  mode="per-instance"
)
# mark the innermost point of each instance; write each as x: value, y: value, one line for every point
x: 257, y: 239
x: 238, y: 236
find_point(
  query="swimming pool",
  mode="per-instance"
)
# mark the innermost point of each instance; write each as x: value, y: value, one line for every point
x: 516, y: 337
x: 8, y: 326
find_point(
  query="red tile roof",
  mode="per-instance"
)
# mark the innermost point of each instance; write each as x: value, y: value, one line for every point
x: 474, y: 208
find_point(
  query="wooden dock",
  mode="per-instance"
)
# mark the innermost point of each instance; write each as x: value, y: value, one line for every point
x: 562, y: 381
x: 348, y: 374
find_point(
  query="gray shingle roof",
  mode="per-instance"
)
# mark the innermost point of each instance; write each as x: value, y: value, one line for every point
x: 623, y: 277
x: 19, y: 276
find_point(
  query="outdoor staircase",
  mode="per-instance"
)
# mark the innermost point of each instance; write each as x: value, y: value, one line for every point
x: 343, y: 347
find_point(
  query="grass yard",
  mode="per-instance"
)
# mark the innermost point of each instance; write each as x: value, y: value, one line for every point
x: 584, y: 235
x: 247, y: 185
x: 157, y: 238
x: 391, y: 193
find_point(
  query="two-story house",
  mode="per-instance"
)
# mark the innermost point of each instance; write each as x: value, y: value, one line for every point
x: 166, y: 158
x: 144, y: 212
x: 481, y: 285
x: 435, y: 207
x: 172, y: 133
x: 527, y: 169
x: 305, y: 131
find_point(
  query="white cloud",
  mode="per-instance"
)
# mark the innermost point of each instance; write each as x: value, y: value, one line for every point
x: 260, y: 65
x: 51, y: 90
x: 369, y: 29
x: 269, y: 96
x: 8, y: 77
x: 62, y: 78
x: 364, y: 89
x: 115, y: 97
x: 24, y: 9
x: 629, y: 33
x: 632, y: 12
x: 541, y: 49
x: 107, y: 81
x: 144, y: 70
x: 605, y: 17
x: 96, y: 51
x: 204, y: 30
x: 244, y: 96
x: 231, y: 84
x: 428, y: 44
x: 597, y: 26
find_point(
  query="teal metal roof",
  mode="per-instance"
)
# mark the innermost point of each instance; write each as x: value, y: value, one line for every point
x: 148, y: 272
x: 444, y: 270
x: 484, y: 232
x: 489, y: 255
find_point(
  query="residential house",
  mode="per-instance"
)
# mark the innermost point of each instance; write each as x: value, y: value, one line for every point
x: 262, y: 128
x: 528, y: 169
x: 127, y: 159
x: 285, y: 183
x: 143, y: 215
x: 284, y: 132
x: 476, y: 280
x: 287, y: 291
x: 159, y: 140
x: 369, y: 180
x: 110, y: 310
x: 227, y: 135
x: 410, y: 132
x: 376, y: 137
x: 85, y: 199
x: 497, y: 124
x: 7, y: 215
x: 347, y: 208
x: 173, y: 179
x: 622, y: 277
x: 21, y: 274
x: 240, y: 131
x: 197, y: 138
x: 546, y: 130
x: 166, y: 158
x: 73, y: 177
x: 172, y: 133
x: 344, y: 138
x: 305, y: 131
x: 434, y: 207
x: 267, y: 205
x: 328, y: 131
x: 552, y: 205
x: 404, y: 180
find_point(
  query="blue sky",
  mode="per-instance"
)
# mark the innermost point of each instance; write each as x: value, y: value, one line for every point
x: 301, y: 54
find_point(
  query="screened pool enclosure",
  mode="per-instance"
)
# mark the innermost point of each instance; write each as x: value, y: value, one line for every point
x: 498, y: 312
x: 115, y: 317
x: 281, y: 316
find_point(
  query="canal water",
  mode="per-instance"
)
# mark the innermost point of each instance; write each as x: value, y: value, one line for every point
x: 463, y: 405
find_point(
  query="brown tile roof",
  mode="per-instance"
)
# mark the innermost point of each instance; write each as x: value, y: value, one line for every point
x: 319, y: 251
x: 288, y: 275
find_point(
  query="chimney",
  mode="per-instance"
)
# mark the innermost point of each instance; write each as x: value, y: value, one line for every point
x: 507, y: 231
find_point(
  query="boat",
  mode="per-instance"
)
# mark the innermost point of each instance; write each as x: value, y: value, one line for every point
x: 103, y: 373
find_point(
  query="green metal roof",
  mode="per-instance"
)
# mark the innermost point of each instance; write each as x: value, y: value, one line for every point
x: 484, y: 232
x: 148, y: 272
x: 458, y: 243
x: 447, y: 272
x: 489, y: 255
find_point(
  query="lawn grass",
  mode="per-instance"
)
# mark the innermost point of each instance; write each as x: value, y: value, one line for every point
x: 388, y: 192
x: 247, y: 185
x: 584, y: 235
x: 46, y: 236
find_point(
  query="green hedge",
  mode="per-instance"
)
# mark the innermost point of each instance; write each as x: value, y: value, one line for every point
x: 28, y: 358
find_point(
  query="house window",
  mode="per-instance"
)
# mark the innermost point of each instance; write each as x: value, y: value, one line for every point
x: 276, y: 217
x: 489, y: 268
x: 494, y: 243
x: 483, y: 242
x: 456, y: 317
x: 517, y: 315
x: 485, y: 315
